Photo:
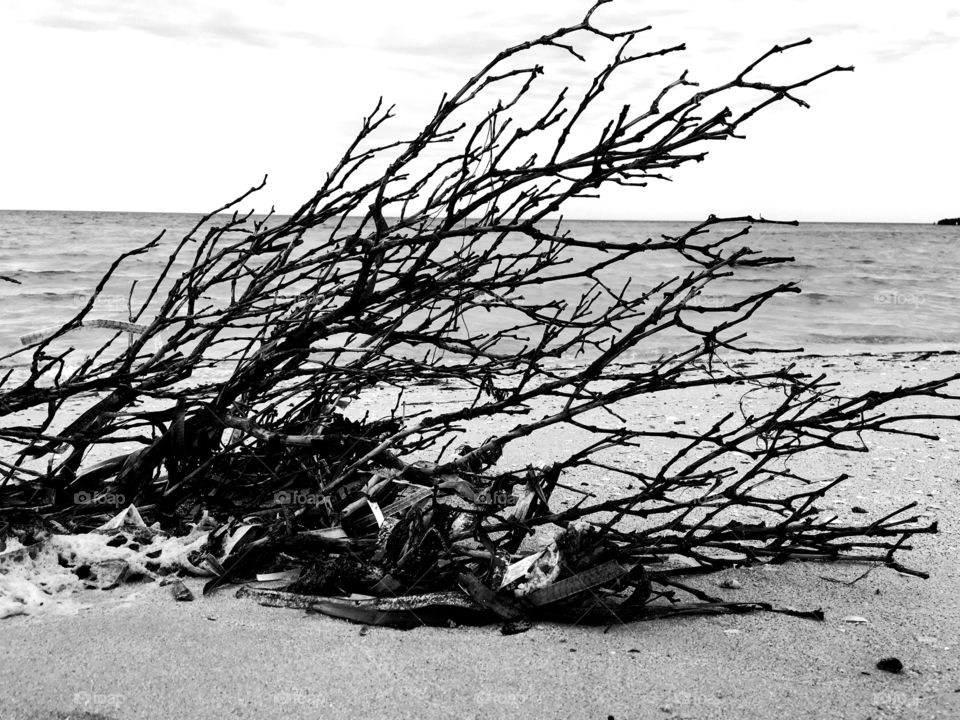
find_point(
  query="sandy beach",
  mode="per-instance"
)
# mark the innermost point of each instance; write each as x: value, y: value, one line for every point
x: 135, y: 653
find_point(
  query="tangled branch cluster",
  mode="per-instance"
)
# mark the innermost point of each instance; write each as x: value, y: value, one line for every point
x: 227, y: 385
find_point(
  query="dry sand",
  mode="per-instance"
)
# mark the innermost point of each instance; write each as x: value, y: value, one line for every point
x: 136, y: 653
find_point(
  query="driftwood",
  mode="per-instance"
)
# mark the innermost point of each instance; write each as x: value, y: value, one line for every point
x: 226, y: 388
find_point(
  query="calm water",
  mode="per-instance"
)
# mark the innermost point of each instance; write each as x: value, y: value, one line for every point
x: 865, y: 287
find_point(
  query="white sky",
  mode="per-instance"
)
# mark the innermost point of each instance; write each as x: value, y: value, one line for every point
x: 182, y: 104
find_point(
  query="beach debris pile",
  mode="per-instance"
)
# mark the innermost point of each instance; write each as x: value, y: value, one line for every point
x: 404, y: 544
x: 413, y: 561
x: 364, y: 583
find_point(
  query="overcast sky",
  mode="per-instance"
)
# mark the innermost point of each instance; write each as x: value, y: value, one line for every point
x: 180, y: 105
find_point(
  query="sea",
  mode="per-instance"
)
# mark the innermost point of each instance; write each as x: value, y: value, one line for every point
x: 865, y: 287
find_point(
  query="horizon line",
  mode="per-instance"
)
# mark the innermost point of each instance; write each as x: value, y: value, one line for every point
x: 566, y: 218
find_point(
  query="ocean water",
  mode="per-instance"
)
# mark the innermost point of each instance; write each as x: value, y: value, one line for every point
x: 865, y: 287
